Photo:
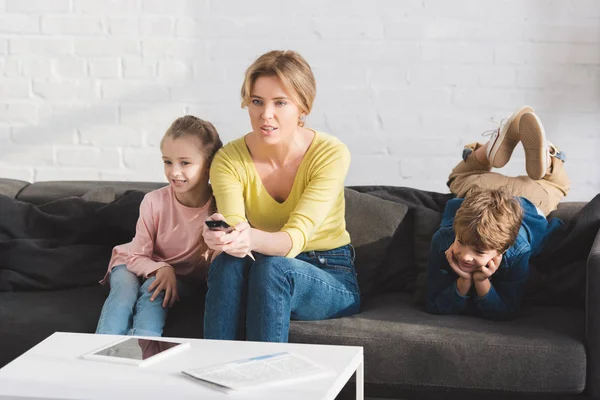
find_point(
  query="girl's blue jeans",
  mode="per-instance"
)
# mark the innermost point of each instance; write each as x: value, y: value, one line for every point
x: 262, y: 296
x: 128, y: 309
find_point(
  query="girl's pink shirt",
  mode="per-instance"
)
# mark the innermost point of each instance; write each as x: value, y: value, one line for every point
x: 167, y: 233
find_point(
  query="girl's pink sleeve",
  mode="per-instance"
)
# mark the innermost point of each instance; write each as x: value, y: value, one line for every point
x: 139, y: 260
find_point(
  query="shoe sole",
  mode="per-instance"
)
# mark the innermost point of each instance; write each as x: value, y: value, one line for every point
x: 533, y: 139
x: 505, y: 143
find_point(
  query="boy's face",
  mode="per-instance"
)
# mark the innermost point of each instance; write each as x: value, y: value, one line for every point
x: 470, y: 259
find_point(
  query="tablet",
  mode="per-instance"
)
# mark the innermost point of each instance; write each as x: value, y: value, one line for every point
x: 136, y: 351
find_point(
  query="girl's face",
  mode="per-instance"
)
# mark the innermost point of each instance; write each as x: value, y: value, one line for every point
x: 471, y: 259
x: 273, y: 114
x: 185, y: 164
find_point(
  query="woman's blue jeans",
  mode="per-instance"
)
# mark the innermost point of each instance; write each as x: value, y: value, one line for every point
x: 262, y: 296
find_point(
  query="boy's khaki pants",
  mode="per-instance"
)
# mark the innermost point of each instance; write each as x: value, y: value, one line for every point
x: 545, y: 194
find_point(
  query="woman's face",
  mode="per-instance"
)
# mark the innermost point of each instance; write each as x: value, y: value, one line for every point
x: 273, y: 114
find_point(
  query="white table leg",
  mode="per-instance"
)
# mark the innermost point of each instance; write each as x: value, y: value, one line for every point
x: 360, y: 381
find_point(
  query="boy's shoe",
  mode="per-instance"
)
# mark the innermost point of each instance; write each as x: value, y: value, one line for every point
x: 537, y: 149
x: 504, y: 139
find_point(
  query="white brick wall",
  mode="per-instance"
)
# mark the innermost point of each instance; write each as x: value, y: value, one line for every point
x: 87, y: 87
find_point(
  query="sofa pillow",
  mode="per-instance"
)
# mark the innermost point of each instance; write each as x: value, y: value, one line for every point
x: 11, y: 187
x: 371, y: 222
x: 398, y: 272
x: 427, y: 222
x: 104, y: 195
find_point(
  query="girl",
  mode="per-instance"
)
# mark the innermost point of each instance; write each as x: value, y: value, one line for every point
x: 167, y: 255
x: 282, y: 187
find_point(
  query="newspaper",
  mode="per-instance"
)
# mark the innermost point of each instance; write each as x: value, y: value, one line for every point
x: 262, y: 371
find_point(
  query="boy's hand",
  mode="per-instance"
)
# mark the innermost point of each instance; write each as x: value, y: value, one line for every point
x: 488, y: 270
x: 454, y: 264
x: 165, y: 280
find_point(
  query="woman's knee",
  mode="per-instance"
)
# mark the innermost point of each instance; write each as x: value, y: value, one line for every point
x: 226, y: 267
x: 268, y: 268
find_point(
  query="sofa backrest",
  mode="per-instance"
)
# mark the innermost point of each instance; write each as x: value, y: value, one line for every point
x: 42, y: 192
x: 391, y: 226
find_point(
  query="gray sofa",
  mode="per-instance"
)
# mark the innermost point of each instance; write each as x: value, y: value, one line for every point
x: 550, y: 351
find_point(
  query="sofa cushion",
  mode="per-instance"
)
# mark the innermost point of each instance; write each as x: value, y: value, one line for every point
x: 29, y: 317
x: 104, y: 194
x: 62, y: 244
x: 566, y: 211
x: 427, y: 222
x: 405, y: 263
x: 371, y: 222
x: 11, y: 187
x: 42, y: 192
x: 541, y: 352
x: 37, y: 315
x: 562, y: 263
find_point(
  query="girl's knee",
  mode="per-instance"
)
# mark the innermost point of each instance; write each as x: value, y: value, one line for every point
x: 148, y: 282
x: 145, y: 293
x: 123, y: 291
x: 122, y: 278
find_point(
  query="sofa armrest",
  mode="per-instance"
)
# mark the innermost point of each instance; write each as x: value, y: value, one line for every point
x: 592, y: 319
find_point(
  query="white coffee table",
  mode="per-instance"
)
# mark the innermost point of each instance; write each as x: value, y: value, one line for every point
x: 52, y: 370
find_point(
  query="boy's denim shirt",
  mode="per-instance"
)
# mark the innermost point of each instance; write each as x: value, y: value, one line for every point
x: 503, y: 301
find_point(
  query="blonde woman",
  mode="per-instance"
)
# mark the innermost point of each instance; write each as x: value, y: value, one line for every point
x: 281, y: 187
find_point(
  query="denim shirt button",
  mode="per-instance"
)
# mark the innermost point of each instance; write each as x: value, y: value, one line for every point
x: 322, y: 260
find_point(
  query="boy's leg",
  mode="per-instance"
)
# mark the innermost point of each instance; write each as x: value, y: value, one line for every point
x: 316, y: 285
x: 117, y: 312
x: 557, y: 184
x: 150, y: 316
x: 473, y: 173
x: 504, y: 139
x: 544, y: 194
x: 544, y: 164
x: 225, y: 308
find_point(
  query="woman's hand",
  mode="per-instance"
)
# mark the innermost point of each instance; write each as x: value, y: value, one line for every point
x: 165, y: 280
x: 237, y: 243
x: 241, y: 246
x: 214, y: 239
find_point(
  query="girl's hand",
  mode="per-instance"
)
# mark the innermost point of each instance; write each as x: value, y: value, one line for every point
x: 241, y: 246
x: 488, y: 270
x: 165, y: 280
x: 454, y: 264
x: 217, y: 240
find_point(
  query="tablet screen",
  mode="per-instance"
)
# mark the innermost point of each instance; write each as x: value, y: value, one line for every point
x: 136, y: 349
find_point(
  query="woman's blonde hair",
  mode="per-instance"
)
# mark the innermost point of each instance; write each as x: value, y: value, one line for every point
x: 293, y: 71
x: 488, y: 220
x: 204, y: 131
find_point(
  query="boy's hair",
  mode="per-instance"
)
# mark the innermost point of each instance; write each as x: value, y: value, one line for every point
x: 488, y: 220
x: 204, y: 131
x: 294, y: 72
